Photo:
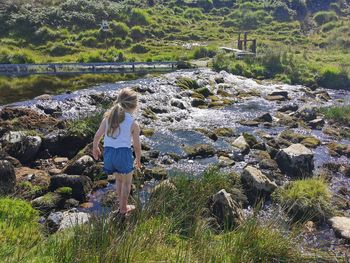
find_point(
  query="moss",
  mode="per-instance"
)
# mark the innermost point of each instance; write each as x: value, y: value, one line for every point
x: 158, y: 173
x: 311, y: 142
x: 197, y: 96
x: 27, y: 190
x: 216, y: 104
x: 213, y: 98
x: 205, y: 92
x: 307, y: 140
x: 225, y: 132
x: 48, y: 201
x: 307, y: 199
x: 148, y: 113
x: 338, y: 148
x: 224, y: 93
x: 147, y: 132
x: 65, y: 192
x: 250, y: 139
x: 228, y: 101
x: 187, y: 83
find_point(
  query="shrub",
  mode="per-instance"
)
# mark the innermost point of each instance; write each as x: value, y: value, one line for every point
x: 307, y: 199
x: 14, y: 57
x: 139, y: 17
x: 193, y: 13
x: 89, y: 41
x: 323, y: 17
x: 139, y: 49
x: 339, y: 114
x: 203, y: 52
x: 187, y: 83
x: 120, y: 29
x: 61, y: 49
x: 334, y: 78
x: 137, y: 33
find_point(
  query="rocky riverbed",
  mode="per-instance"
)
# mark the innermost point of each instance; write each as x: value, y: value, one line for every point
x: 268, y: 133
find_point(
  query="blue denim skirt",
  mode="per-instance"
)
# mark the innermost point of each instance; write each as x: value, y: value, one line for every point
x: 118, y: 160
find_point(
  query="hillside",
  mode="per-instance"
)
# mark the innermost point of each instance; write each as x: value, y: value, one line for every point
x: 309, y: 39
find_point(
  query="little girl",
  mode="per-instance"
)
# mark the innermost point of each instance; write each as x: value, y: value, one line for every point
x: 120, y: 130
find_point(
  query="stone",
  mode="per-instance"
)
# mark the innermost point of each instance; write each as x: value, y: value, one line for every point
x: 53, y: 221
x: 341, y: 226
x: 225, y: 210
x: 60, y: 160
x: 289, y: 107
x: 311, y: 142
x: 282, y: 93
x: 178, y: 104
x: 316, y: 123
x: 81, y: 185
x: 198, y: 102
x: 225, y: 161
x: 48, y: 202
x: 250, y: 123
x: 21, y: 146
x: 255, y: 180
x: 78, y: 166
x: 275, y: 98
x: 296, y: 160
x: 306, y: 114
x: 62, y: 143
x: 338, y: 148
x: 199, y: 150
x: 158, y: 173
x: 224, y: 132
x: 264, y: 118
x: 241, y: 144
x: 35, y: 176
x: 7, y: 178
x: 73, y: 218
x: 268, y: 164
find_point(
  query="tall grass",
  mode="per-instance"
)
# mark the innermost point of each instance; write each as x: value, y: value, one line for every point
x: 339, y: 114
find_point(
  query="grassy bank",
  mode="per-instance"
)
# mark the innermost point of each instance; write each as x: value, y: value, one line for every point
x: 175, y: 227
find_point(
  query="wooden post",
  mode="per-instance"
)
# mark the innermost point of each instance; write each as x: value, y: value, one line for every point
x: 254, y: 46
x: 245, y: 40
x: 239, y: 41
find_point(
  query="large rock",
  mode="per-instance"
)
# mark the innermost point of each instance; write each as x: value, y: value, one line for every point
x: 199, y: 150
x: 306, y: 114
x: 241, y: 144
x: 341, y: 226
x: 81, y: 185
x: 21, y: 146
x: 80, y: 165
x: 48, y: 202
x: 63, y: 143
x: 7, y: 178
x: 296, y: 160
x: 226, y: 211
x: 255, y: 180
x: 58, y: 221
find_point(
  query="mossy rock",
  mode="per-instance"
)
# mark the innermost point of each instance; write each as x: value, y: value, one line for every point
x: 307, y: 199
x: 208, y: 133
x: 148, y: 113
x: 228, y: 101
x: 48, y: 202
x: 216, y: 104
x: 205, y: 92
x: 224, y: 132
x: 198, y: 103
x: 26, y: 190
x: 250, y: 139
x: 187, y: 83
x: 339, y: 149
x: 214, y: 98
x: 147, y: 132
x: 65, y: 192
x: 311, y: 142
x: 224, y: 93
x: 158, y: 173
x: 199, y: 150
x: 197, y: 96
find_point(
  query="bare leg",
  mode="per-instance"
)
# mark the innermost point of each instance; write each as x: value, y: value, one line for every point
x: 125, y: 191
x: 119, y: 181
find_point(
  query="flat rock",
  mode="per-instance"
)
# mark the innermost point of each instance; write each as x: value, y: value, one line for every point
x: 253, y: 178
x: 341, y: 225
x: 71, y: 219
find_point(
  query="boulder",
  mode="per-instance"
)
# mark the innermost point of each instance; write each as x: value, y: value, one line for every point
x: 53, y: 221
x: 264, y: 118
x: 253, y: 179
x: 72, y: 218
x: 316, y: 123
x: 48, y: 202
x: 341, y: 226
x: 199, y: 150
x: 21, y: 146
x: 7, y: 178
x: 241, y: 144
x: 226, y: 211
x: 63, y: 143
x: 296, y: 160
x: 288, y: 107
x: 269, y: 164
x: 78, y: 166
x: 306, y: 114
x: 81, y: 185
x: 282, y: 93
x: 178, y: 104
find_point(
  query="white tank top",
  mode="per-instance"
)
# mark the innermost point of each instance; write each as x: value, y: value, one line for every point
x: 122, y: 134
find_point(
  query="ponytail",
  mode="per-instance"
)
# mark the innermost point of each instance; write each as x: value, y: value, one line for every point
x: 127, y: 101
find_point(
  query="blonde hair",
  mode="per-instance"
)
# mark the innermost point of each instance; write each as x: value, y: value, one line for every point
x: 127, y: 101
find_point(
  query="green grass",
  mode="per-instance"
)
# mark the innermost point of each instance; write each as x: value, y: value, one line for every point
x: 340, y: 114
x: 306, y: 199
x: 172, y: 227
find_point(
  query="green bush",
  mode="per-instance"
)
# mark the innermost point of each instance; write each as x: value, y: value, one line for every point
x: 323, y: 17
x: 60, y: 49
x: 89, y: 41
x: 203, y: 52
x: 307, y: 199
x: 339, y: 114
x: 193, y: 13
x: 139, y: 17
x: 139, y: 49
x: 120, y: 29
x: 137, y: 33
x: 15, y: 57
x: 334, y: 78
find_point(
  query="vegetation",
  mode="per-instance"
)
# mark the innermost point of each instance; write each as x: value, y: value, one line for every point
x: 306, y: 199
x: 339, y: 114
x: 298, y: 41
x: 171, y: 227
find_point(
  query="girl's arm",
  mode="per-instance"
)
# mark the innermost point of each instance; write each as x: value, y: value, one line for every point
x: 137, y: 144
x: 96, y: 152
